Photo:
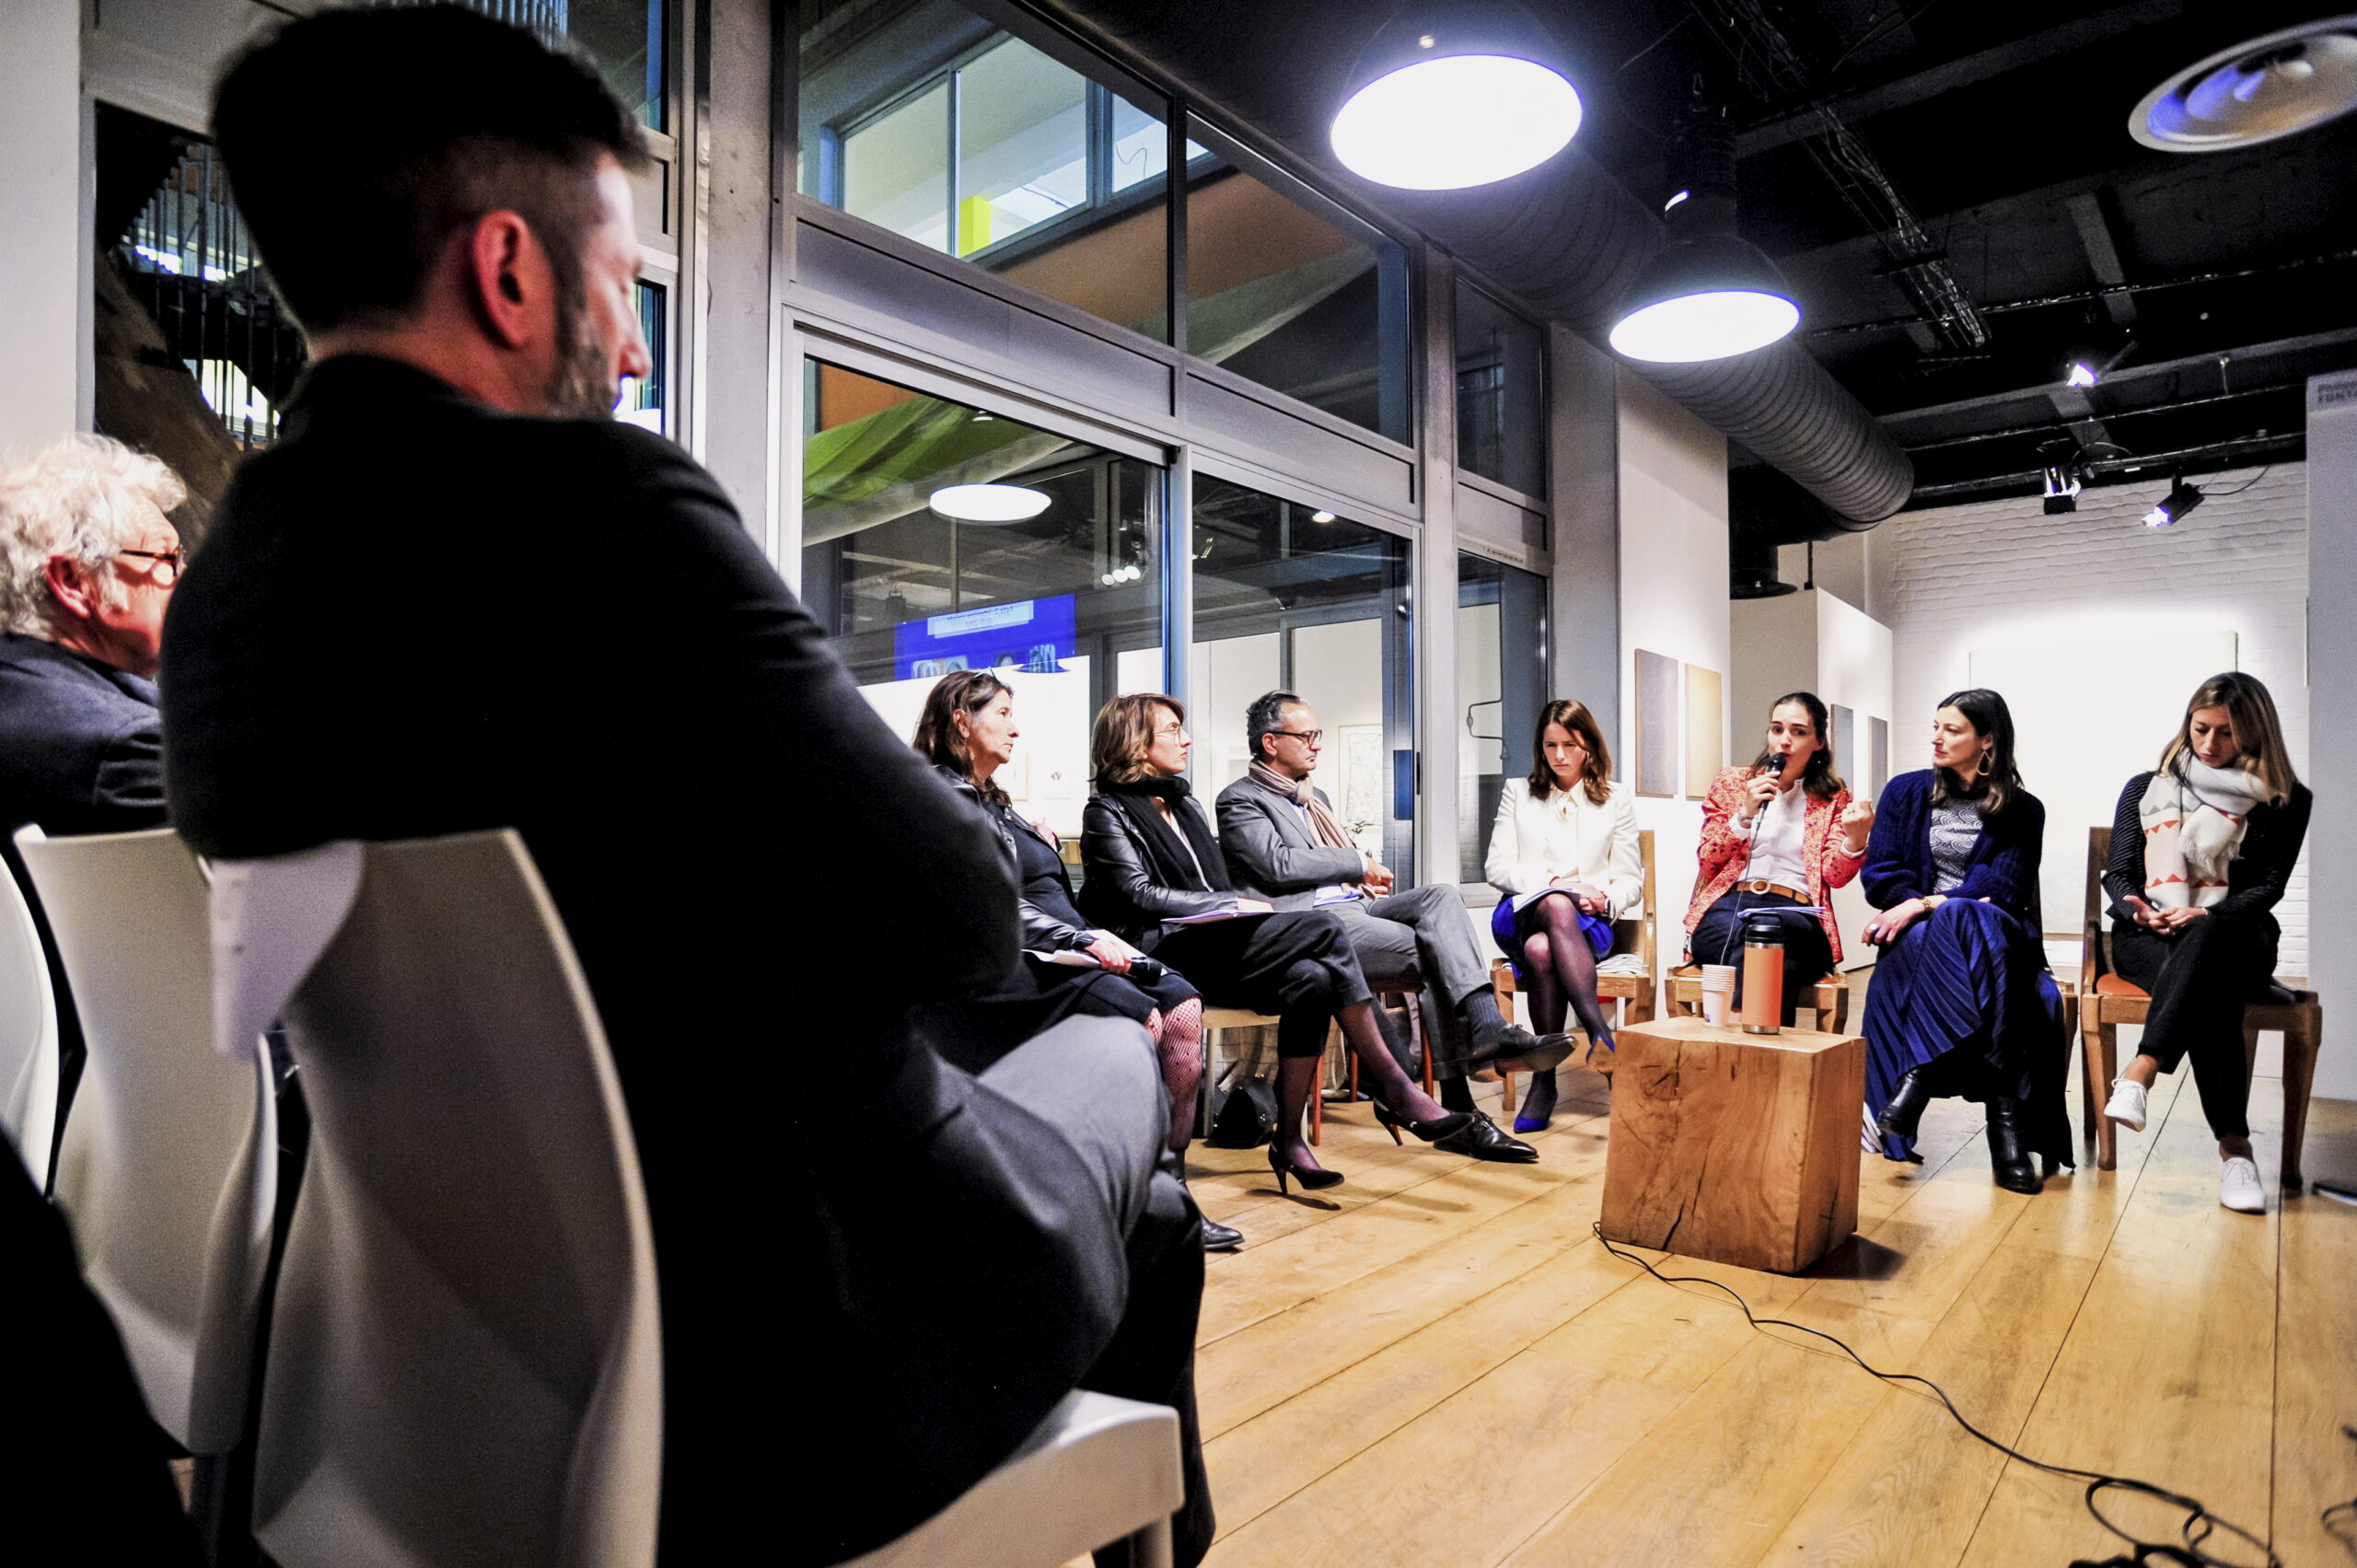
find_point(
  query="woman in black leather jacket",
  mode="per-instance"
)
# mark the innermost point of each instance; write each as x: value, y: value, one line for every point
x: 1157, y: 878
x: 967, y: 732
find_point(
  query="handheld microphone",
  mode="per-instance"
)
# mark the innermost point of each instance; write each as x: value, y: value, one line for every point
x: 1145, y: 971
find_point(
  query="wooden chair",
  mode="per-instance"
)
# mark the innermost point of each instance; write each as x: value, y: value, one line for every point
x: 2106, y: 1001
x: 1828, y: 999
x: 1634, y: 993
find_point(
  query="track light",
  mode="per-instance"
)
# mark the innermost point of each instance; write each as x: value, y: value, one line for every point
x: 2061, y: 488
x: 2182, y: 498
x: 1674, y: 197
x: 1322, y: 516
x: 2079, y: 375
x: 1444, y: 98
x: 1710, y: 294
x: 989, y: 503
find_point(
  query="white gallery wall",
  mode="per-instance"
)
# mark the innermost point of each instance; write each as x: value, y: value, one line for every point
x: 1673, y: 602
x: 2096, y: 629
x: 40, y: 210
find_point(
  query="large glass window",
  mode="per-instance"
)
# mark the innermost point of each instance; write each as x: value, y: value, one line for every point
x: 622, y: 38
x: 1501, y: 685
x: 921, y: 116
x: 1501, y: 394
x: 1293, y: 294
x: 1066, y: 605
x: 1290, y: 596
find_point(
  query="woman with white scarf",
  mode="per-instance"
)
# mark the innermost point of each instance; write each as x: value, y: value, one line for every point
x: 2201, y: 851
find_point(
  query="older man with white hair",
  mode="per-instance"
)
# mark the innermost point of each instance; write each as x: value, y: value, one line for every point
x: 87, y: 560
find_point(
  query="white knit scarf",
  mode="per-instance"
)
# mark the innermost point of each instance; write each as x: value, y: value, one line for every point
x: 2193, y: 818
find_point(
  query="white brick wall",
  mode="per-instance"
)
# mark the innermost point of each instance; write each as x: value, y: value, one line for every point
x: 1957, y: 579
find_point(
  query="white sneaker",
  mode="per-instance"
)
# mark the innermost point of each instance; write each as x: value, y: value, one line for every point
x: 2238, y: 1186
x: 2127, y: 1105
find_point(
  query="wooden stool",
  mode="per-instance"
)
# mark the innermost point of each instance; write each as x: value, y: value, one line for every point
x: 1734, y: 1147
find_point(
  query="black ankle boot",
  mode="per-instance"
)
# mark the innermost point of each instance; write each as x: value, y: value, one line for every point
x: 2009, y: 1164
x: 1905, y: 1112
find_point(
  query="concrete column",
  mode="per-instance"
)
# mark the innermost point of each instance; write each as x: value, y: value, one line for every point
x: 2332, y: 717
x: 1583, y: 447
x: 42, y: 274
x: 1433, y: 635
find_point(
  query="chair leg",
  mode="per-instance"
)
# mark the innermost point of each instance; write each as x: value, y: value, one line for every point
x: 1150, y: 1547
x: 2299, y: 1077
x: 2102, y: 1065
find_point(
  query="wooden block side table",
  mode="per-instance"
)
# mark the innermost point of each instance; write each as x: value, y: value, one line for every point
x: 1734, y: 1147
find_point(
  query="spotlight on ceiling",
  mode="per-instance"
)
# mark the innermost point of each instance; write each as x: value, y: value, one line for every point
x: 2182, y: 498
x: 1322, y: 516
x: 2062, y: 487
x: 1674, y: 197
x: 2080, y: 374
x: 989, y: 503
x: 2276, y: 85
x: 1710, y: 294
x: 1450, y: 98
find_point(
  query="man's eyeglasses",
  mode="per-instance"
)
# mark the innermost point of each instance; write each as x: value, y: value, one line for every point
x: 169, y: 563
x: 1307, y: 737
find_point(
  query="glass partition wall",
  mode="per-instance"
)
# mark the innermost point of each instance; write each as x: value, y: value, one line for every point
x: 1501, y: 685
x: 1065, y: 605
x: 1293, y: 597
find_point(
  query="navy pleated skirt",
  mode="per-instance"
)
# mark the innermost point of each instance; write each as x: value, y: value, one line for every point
x: 1964, y: 995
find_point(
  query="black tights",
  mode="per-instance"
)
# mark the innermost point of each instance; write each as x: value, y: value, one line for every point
x: 1301, y: 1050
x: 1561, y: 967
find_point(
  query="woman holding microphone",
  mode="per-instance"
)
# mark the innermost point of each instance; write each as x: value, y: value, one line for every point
x: 2200, y: 850
x: 1781, y: 834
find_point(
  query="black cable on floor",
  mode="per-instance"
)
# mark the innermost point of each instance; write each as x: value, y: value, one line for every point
x: 2199, y: 1525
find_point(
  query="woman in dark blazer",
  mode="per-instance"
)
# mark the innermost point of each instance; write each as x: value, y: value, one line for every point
x: 1151, y: 861
x: 2200, y: 850
x: 1960, y: 1002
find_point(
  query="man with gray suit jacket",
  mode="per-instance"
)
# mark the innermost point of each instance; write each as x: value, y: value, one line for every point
x: 1283, y: 844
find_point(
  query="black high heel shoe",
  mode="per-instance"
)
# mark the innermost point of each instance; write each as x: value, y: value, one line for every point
x: 1312, y: 1177
x: 1431, y: 1131
x: 2007, y: 1162
x: 1905, y: 1112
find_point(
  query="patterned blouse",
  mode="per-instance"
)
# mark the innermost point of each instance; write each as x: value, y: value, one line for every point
x: 1955, y: 828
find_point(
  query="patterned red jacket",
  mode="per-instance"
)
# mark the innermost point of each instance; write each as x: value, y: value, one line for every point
x: 1723, y: 853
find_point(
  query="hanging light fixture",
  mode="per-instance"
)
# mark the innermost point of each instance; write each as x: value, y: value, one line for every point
x: 2276, y: 85
x: 1446, y: 98
x: 1710, y: 294
x: 989, y: 503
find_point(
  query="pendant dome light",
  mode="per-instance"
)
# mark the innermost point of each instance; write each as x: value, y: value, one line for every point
x: 2276, y: 85
x: 1710, y: 294
x: 989, y: 503
x: 1448, y: 97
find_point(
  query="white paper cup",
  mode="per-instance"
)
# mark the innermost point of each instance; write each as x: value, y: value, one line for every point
x: 1718, y: 992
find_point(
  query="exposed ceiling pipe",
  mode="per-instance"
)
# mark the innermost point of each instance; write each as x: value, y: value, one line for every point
x: 1566, y: 237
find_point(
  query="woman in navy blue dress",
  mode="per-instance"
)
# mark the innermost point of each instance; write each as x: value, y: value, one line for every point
x: 1960, y: 1002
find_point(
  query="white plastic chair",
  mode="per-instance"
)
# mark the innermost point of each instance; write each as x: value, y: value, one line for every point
x: 28, y: 1033
x: 168, y: 1163
x: 465, y: 1363
x: 1097, y: 1470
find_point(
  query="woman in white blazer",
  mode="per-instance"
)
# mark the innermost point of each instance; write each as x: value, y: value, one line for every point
x: 1563, y: 851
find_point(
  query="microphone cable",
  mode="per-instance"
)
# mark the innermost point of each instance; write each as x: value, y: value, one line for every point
x: 2200, y: 1525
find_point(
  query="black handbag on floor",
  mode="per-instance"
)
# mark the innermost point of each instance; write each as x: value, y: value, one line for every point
x: 1247, y: 1117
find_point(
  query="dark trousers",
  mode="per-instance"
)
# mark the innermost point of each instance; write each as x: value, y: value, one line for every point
x: 1109, y: 1105
x: 2200, y: 980
x: 1299, y: 966
x: 1718, y: 939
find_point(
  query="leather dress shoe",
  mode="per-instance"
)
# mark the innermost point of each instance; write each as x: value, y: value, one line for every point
x: 1480, y: 1139
x: 1515, y: 1050
x: 1218, y: 1238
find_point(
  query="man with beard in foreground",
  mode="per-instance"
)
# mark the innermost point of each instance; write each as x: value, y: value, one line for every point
x: 456, y: 595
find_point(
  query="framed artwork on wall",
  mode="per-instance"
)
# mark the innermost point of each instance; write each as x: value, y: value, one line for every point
x: 1706, y: 751
x: 1877, y: 759
x: 1655, y: 767
x: 1845, y: 740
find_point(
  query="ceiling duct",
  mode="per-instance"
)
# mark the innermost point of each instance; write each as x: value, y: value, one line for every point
x: 1566, y: 237
x: 1765, y: 511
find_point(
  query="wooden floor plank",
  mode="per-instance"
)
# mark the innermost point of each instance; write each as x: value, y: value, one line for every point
x: 2168, y: 1373
x: 2316, y: 1352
